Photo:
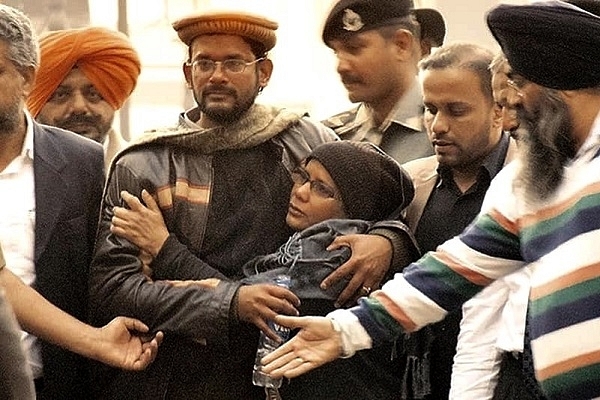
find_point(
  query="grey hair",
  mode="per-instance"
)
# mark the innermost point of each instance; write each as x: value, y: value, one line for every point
x: 498, y: 63
x: 17, y: 33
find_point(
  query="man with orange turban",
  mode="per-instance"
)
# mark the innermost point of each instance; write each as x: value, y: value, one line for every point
x: 85, y: 75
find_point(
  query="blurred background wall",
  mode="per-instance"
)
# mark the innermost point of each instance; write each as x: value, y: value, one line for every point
x: 304, y: 74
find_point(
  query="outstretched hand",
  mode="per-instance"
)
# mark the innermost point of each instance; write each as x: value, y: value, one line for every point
x: 316, y: 343
x: 124, y: 343
x: 370, y: 260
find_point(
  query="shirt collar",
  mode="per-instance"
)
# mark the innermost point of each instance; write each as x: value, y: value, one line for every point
x: 492, y: 163
x: 407, y: 112
x: 193, y: 112
x: 27, y: 150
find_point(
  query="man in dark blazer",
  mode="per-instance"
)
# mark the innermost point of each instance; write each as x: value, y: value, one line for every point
x: 51, y: 182
x: 68, y: 181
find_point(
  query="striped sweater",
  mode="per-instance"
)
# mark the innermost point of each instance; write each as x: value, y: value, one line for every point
x: 559, y: 239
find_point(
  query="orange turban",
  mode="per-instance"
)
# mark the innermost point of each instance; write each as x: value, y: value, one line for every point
x: 106, y: 57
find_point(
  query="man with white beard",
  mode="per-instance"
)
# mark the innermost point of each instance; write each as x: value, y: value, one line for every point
x: 542, y: 212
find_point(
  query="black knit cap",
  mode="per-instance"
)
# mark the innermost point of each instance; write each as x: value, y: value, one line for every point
x: 371, y: 183
x: 356, y: 16
x: 551, y: 43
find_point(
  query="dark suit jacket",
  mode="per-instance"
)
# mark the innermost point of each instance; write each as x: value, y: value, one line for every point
x: 69, y: 178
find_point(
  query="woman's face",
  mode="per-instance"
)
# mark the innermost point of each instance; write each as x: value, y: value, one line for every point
x: 314, y: 198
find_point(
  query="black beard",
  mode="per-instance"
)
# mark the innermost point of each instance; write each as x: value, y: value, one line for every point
x: 227, y: 116
x: 548, y: 145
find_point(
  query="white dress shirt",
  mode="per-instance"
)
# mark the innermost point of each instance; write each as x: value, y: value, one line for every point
x: 493, y: 323
x: 17, y: 224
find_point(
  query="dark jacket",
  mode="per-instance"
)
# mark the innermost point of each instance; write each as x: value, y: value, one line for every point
x: 371, y: 374
x: 69, y: 177
x: 206, y: 354
x: 306, y: 260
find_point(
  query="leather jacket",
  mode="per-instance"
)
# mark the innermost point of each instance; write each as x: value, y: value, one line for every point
x: 176, y: 166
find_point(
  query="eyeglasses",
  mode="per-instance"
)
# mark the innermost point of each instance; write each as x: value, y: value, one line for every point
x: 207, y: 66
x: 517, y: 82
x: 300, y: 176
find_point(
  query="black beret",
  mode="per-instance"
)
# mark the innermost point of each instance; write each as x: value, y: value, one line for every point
x: 433, y: 26
x: 355, y: 16
x: 371, y: 183
x: 551, y: 43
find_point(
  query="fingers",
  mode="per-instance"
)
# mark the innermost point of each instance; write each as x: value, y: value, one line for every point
x: 132, y: 324
x: 365, y: 291
x: 340, y: 241
x: 289, y: 302
x: 119, y: 223
x: 347, y: 270
x: 366, y: 268
x: 343, y: 271
x: 132, y: 201
x: 264, y: 326
x: 150, y: 202
x: 350, y: 292
x: 290, y: 322
x: 259, y: 304
x: 159, y: 337
x: 279, y: 357
x: 293, y: 369
x: 277, y: 362
x: 287, y: 360
x: 149, y: 352
x: 279, y: 299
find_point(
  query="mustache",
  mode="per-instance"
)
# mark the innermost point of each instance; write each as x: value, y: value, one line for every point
x: 217, y: 89
x: 349, y: 79
x: 80, y: 119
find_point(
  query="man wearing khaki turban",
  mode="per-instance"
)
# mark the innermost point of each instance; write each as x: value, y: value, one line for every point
x: 222, y: 180
x: 85, y: 75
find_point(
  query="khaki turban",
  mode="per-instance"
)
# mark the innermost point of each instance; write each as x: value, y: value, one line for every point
x: 247, y: 25
x: 106, y: 57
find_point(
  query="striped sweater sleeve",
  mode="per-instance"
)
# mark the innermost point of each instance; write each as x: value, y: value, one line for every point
x: 438, y: 283
x: 557, y: 238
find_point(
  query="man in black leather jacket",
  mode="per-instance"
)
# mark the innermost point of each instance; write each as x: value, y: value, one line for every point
x: 329, y: 199
x: 222, y: 181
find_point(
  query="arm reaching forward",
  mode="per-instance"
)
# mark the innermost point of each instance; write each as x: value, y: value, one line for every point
x: 316, y: 344
x: 122, y: 343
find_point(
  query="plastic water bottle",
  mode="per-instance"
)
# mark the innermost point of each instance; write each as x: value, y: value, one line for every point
x: 266, y: 345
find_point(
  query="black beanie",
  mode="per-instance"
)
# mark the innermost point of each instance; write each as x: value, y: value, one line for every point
x: 371, y: 183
